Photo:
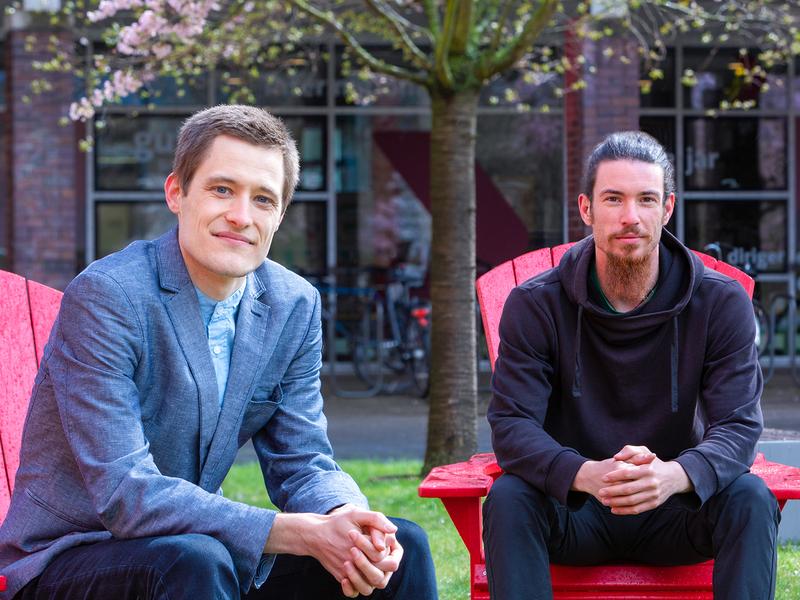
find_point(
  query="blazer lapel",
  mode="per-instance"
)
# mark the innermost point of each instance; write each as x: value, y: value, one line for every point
x: 254, y: 343
x: 180, y: 301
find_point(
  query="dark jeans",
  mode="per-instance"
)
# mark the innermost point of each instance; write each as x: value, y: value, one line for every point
x: 524, y: 531
x: 198, y: 567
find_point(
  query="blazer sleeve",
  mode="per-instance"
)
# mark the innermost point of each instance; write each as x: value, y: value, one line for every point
x: 95, y: 356
x: 293, y: 447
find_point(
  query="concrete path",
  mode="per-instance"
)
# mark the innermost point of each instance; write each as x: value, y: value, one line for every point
x: 395, y: 426
x: 392, y: 427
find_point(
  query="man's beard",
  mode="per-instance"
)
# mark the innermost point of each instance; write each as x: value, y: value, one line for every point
x: 629, y: 276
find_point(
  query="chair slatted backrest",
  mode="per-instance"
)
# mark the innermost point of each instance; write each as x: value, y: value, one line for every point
x: 45, y: 303
x: 27, y: 312
x: 494, y: 287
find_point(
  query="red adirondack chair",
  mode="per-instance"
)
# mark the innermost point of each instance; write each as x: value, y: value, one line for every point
x: 27, y: 312
x: 462, y: 486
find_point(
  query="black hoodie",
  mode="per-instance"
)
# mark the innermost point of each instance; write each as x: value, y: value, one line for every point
x: 679, y: 374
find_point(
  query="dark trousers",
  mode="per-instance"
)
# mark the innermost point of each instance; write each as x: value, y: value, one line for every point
x: 524, y: 531
x: 198, y: 567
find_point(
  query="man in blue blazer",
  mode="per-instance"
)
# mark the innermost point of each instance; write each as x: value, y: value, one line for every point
x: 166, y: 358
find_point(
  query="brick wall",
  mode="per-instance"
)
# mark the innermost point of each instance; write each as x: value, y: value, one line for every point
x: 45, y: 214
x: 609, y: 103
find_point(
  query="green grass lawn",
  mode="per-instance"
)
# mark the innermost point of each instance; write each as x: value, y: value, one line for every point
x: 392, y: 489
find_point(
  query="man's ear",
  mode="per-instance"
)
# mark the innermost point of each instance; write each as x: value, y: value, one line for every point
x: 669, y: 207
x: 585, y: 207
x: 172, y: 193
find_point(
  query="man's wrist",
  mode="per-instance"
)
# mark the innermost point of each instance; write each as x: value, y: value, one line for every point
x: 579, y: 483
x: 679, y: 478
x: 291, y: 533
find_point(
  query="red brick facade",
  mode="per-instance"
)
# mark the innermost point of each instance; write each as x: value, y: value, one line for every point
x: 45, y: 219
x: 611, y: 103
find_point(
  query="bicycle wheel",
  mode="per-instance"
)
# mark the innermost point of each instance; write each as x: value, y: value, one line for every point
x: 418, y: 353
x: 366, y: 354
x: 762, y: 328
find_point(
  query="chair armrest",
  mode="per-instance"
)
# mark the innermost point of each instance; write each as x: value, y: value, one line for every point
x: 460, y: 487
x: 782, y: 480
x: 472, y: 478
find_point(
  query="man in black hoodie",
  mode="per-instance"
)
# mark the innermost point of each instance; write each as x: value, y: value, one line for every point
x: 625, y: 410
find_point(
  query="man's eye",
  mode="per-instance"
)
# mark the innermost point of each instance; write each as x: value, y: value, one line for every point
x: 265, y: 200
x: 221, y: 189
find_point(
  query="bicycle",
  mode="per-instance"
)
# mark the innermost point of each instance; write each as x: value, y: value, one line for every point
x: 404, y: 351
x: 352, y: 320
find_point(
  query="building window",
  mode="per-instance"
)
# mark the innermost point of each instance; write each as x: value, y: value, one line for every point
x: 735, y: 153
x: 752, y: 233
x: 730, y: 77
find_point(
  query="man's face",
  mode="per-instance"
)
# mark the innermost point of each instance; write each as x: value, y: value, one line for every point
x: 227, y: 217
x: 627, y: 211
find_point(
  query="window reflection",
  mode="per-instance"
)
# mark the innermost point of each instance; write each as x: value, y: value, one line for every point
x: 724, y: 76
x: 523, y: 157
x: 663, y: 129
x: 293, y: 80
x: 735, y: 153
x: 301, y: 241
x: 135, y: 153
x: 383, y: 188
x: 381, y: 220
x: 752, y: 233
x: 309, y: 134
x: 117, y: 224
x: 661, y: 90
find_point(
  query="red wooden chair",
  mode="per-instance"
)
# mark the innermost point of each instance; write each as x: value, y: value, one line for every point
x: 27, y: 312
x: 462, y: 486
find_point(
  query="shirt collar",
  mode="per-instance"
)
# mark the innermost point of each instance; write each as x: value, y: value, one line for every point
x: 208, y: 306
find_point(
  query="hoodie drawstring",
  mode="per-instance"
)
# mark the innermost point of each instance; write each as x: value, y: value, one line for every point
x: 576, y: 383
x: 673, y: 364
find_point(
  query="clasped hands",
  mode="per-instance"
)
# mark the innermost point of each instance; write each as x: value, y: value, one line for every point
x: 357, y: 546
x: 632, y: 481
x: 374, y: 553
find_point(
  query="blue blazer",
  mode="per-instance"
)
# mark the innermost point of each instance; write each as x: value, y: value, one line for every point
x: 124, y: 435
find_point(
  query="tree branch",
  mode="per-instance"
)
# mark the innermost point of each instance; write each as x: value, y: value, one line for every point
x: 433, y: 17
x: 501, y: 23
x: 371, y: 61
x: 443, y: 72
x: 394, y: 20
x: 494, y: 63
x: 463, y: 27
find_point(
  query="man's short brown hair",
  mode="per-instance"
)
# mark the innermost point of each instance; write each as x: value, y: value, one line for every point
x: 247, y: 123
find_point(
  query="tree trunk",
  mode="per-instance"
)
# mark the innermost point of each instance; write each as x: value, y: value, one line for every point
x: 452, y: 422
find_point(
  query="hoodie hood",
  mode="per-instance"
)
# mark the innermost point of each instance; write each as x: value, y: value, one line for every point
x: 680, y: 274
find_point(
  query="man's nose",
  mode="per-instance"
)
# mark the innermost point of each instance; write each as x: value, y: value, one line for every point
x: 238, y: 213
x: 630, y: 212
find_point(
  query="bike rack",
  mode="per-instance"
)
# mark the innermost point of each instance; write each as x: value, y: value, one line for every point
x: 791, y: 328
x: 337, y: 389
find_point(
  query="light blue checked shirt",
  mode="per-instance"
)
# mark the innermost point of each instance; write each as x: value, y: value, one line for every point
x: 220, y: 320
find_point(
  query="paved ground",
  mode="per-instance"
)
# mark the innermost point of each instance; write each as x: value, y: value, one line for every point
x: 394, y: 426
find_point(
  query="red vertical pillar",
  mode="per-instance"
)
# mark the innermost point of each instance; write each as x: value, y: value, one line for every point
x: 608, y: 102
x: 46, y: 212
